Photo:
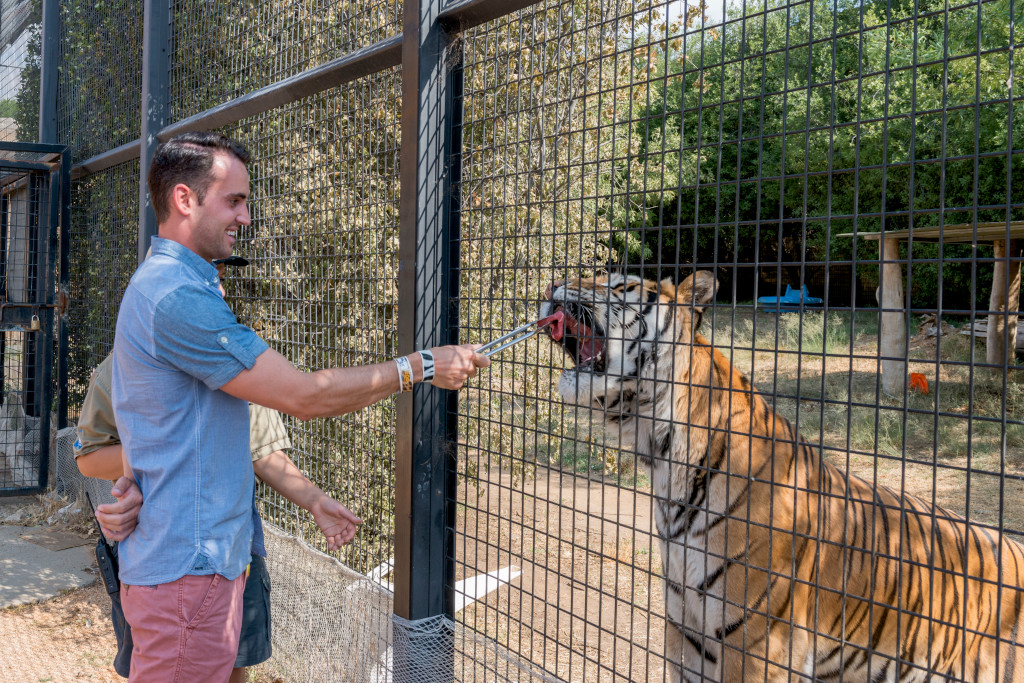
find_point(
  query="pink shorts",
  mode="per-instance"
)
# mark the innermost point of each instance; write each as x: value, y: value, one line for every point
x: 185, y: 630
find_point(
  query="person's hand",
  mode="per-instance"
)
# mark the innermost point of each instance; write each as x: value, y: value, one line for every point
x: 453, y: 365
x: 335, y: 520
x: 118, y: 519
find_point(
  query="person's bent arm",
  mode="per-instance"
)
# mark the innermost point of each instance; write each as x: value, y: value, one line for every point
x: 102, y: 463
x: 275, y: 383
x: 336, y: 521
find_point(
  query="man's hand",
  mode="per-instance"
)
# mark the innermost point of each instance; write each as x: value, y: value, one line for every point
x: 335, y: 520
x: 453, y: 365
x: 118, y: 519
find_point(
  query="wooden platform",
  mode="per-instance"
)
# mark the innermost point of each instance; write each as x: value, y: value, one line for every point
x: 986, y: 232
x: 1004, y: 300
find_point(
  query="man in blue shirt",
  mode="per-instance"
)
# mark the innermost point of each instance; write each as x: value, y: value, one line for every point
x: 184, y: 369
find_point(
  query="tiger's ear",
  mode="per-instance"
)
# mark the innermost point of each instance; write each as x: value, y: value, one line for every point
x: 698, y: 290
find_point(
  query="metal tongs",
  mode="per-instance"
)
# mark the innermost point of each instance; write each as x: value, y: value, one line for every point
x: 517, y: 335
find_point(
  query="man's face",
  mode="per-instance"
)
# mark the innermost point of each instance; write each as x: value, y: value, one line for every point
x: 216, y: 221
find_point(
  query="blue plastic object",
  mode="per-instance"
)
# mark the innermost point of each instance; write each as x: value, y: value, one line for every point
x: 790, y: 300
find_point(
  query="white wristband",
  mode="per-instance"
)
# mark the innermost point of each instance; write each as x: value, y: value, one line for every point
x: 404, y: 374
x: 428, y: 365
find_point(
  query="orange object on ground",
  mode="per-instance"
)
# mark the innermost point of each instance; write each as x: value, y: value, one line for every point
x: 919, y: 382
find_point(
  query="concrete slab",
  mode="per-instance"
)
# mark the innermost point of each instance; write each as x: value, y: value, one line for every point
x: 56, y: 540
x: 30, y: 572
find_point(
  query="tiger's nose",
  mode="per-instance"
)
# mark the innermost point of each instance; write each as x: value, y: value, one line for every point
x: 551, y: 287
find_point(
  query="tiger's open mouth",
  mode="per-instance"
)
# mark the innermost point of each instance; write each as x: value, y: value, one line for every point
x: 585, y: 343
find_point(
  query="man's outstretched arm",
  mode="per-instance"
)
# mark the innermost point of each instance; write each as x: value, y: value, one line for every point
x: 275, y: 383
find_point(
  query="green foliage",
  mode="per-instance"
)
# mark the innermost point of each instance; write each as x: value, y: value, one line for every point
x: 322, y: 287
x: 8, y: 109
x: 733, y: 157
x: 26, y: 112
x: 103, y: 256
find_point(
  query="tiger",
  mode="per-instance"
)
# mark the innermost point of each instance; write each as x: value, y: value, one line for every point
x: 776, y: 565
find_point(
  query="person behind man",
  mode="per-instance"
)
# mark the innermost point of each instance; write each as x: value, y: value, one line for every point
x: 98, y: 454
x: 183, y: 369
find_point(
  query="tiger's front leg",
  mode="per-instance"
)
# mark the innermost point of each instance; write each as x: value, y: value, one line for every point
x: 689, y: 656
x: 691, y: 653
x: 781, y: 660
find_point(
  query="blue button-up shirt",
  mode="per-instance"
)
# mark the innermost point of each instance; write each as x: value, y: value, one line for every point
x: 187, y: 442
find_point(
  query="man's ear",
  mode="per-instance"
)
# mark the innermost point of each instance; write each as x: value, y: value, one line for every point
x: 698, y: 290
x: 183, y: 200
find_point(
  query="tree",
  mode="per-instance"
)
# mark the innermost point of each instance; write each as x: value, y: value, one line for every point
x: 766, y: 138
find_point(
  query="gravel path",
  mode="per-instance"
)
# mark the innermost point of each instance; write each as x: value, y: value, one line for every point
x: 69, y: 638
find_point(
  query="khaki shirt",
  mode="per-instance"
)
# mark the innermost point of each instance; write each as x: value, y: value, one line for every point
x: 97, y: 429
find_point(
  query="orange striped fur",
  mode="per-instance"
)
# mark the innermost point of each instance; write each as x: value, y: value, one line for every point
x: 777, y: 565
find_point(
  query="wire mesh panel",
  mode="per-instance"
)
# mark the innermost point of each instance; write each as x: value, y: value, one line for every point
x: 30, y: 196
x: 321, y: 289
x: 828, y: 195
x: 772, y: 427
x: 225, y: 49
x: 104, y: 233
x: 542, y: 492
x: 100, y: 75
x: 321, y: 282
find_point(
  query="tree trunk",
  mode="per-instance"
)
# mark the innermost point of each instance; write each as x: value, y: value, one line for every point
x: 1004, y: 304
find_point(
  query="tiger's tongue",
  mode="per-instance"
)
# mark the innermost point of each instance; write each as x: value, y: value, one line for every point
x: 556, y: 325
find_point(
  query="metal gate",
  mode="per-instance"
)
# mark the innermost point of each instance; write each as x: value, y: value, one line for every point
x: 34, y: 198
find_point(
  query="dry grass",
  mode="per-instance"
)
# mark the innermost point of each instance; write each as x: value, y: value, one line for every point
x: 960, y: 446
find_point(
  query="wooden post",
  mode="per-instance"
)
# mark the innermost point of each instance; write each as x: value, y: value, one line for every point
x: 893, y: 333
x: 1004, y: 303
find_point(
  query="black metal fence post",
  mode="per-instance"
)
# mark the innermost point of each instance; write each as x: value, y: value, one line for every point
x: 48, y: 73
x: 156, y: 81
x: 64, y: 281
x: 424, y: 523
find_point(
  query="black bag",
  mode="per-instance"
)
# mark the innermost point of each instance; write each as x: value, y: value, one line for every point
x: 106, y: 558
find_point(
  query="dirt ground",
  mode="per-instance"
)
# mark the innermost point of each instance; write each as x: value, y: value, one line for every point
x: 67, y: 638
x: 588, y: 604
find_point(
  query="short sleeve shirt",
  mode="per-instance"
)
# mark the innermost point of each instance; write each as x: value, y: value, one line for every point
x: 176, y: 344
x: 98, y: 429
x: 96, y: 426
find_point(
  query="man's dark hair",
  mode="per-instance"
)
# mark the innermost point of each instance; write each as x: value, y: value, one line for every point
x: 187, y: 158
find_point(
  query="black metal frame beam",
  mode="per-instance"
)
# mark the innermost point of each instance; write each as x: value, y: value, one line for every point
x: 377, y: 57
x: 48, y: 73
x: 23, y: 165
x: 51, y: 151
x: 428, y: 288
x: 109, y: 159
x: 464, y: 15
x: 63, y: 289
x: 383, y: 55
